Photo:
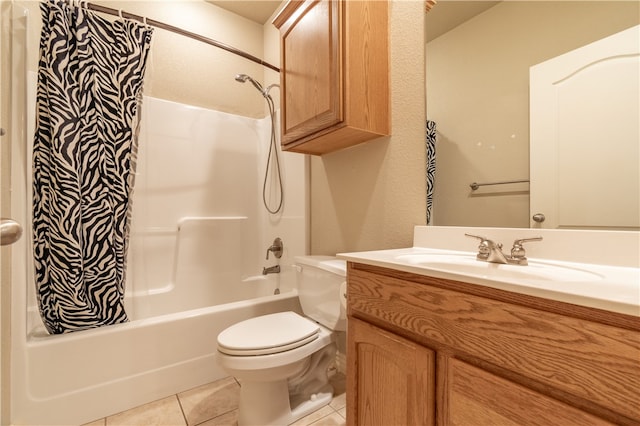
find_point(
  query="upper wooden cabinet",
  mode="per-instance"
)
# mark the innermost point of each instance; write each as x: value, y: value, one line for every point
x: 334, y: 74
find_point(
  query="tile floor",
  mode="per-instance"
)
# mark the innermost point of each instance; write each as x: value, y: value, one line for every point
x: 216, y: 404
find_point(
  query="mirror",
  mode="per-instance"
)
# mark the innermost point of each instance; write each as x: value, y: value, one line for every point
x: 478, y: 57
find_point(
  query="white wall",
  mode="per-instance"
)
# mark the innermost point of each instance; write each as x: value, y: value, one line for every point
x: 188, y: 71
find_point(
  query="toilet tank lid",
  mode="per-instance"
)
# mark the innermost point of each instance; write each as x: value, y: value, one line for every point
x: 327, y: 263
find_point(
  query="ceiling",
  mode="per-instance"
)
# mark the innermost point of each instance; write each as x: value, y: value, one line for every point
x: 256, y: 10
x: 448, y: 14
x: 444, y: 16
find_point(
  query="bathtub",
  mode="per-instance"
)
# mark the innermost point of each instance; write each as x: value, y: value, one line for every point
x: 79, y: 377
x: 194, y: 269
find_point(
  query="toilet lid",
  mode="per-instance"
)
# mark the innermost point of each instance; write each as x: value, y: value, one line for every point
x: 267, y: 334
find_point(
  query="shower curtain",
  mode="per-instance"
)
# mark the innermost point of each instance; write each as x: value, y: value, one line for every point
x: 90, y: 75
x: 431, y: 165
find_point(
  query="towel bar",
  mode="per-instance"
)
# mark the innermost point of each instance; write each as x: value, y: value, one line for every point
x: 476, y: 185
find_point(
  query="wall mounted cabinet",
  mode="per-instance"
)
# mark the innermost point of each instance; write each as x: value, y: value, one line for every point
x: 334, y: 74
x: 424, y: 351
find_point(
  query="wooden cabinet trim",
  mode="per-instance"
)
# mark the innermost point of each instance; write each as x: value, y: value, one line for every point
x: 329, y: 140
x: 285, y: 18
x: 367, y: 56
x: 601, y: 316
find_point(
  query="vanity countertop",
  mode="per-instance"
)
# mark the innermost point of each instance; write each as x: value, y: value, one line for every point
x: 611, y: 287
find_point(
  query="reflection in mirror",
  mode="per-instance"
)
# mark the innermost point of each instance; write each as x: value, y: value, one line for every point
x: 477, y: 70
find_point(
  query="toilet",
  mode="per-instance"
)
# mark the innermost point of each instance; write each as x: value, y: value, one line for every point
x: 281, y: 359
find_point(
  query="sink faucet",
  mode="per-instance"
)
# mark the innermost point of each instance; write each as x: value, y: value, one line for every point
x: 271, y: 270
x: 490, y: 251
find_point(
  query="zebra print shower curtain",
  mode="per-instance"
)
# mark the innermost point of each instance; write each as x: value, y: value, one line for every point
x: 431, y: 166
x: 90, y: 76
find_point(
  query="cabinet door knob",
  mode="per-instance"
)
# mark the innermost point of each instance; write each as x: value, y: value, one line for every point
x: 538, y: 217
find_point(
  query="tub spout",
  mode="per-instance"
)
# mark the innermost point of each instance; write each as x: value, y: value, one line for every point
x: 271, y: 270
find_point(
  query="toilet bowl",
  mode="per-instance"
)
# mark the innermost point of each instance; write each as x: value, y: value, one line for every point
x: 281, y: 359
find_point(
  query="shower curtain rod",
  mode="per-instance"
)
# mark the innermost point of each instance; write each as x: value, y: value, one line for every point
x: 162, y: 25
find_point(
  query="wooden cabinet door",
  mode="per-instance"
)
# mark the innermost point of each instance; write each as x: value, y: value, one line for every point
x: 390, y: 380
x: 311, y: 70
x: 473, y: 396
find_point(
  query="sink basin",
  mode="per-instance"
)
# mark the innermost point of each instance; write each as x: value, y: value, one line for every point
x: 468, y: 264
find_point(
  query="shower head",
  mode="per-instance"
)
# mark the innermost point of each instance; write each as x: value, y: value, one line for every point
x: 242, y: 78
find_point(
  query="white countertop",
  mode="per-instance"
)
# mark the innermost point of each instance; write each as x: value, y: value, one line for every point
x: 613, y: 288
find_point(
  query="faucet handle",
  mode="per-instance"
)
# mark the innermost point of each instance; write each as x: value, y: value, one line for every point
x: 517, y: 251
x: 277, y: 247
x: 476, y: 236
x: 480, y: 237
x: 484, y: 248
x: 485, y: 240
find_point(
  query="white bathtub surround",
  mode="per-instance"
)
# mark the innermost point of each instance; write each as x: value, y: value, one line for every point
x: 197, y: 249
x: 598, y: 269
x: 198, y: 218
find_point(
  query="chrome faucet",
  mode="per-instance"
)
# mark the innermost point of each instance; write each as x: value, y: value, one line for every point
x: 276, y: 248
x: 518, y: 254
x: 271, y: 270
x: 490, y: 251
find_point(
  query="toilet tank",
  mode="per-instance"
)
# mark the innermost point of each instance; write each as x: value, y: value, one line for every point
x: 321, y: 282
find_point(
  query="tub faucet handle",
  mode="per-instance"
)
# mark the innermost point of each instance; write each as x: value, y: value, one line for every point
x: 277, y: 247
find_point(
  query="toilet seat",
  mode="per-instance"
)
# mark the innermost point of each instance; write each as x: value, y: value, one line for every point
x: 267, y: 334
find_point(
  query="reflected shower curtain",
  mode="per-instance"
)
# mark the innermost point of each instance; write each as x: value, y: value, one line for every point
x: 431, y: 166
x: 89, y: 90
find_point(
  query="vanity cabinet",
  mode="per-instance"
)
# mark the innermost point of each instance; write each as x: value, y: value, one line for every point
x: 395, y: 377
x: 334, y: 75
x: 423, y: 350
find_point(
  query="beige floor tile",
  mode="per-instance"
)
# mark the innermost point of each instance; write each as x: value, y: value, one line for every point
x: 100, y: 422
x: 229, y: 419
x: 338, y: 401
x: 334, y: 419
x: 164, y: 412
x: 216, y: 404
x: 316, y: 415
x: 209, y: 401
